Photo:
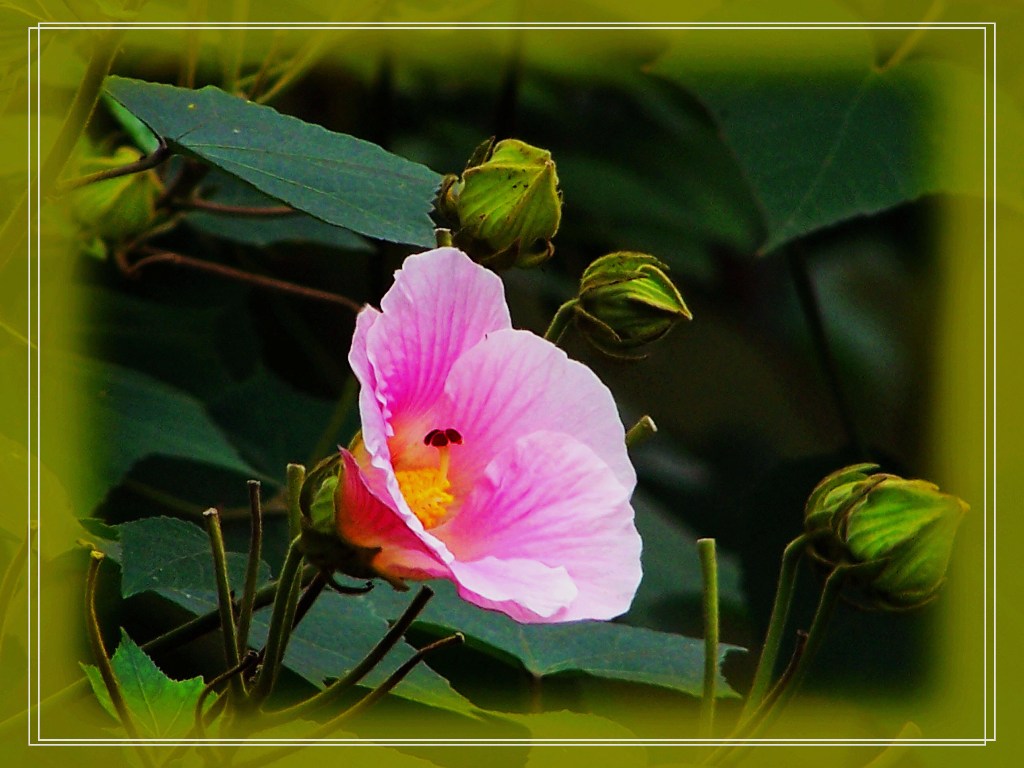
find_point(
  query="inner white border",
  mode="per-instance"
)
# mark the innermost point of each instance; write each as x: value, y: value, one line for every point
x: 34, y: 375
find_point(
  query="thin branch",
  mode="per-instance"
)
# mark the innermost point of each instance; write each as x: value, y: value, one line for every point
x: 358, y: 672
x: 262, y: 281
x: 709, y: 574
x: 388, y: 685
x: 308, y: 597
x: 247, y: 662
x: 360, y: 706
x: 252, y: 566
x: 224, y: 601
x: 144, y: 163
x: 102, y: 658
x: 209, y: 206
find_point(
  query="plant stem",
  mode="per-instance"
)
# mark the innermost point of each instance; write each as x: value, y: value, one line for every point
x: 252, y: 566
x: 560, y: 321
x: 102, y: 658
x: 144, y: 163
x: 362, y: 705
x: 776, y: 625
x: 224, y: 601
x: 724, y: 751
x: 210, y: 206
x: 261, y: 281
x: 309, y: 595
x: 248, y: 660
x: 99, y: 649
x: 358, y: 672
x: 295, y: 477
x: 180, y: 635
x: 388, y: 685
x: 811, y: 309
x: 815, y: 637
x: 281, y: 621
x: 709, y: 573
x: 82, y: 106
x: 640, y: 431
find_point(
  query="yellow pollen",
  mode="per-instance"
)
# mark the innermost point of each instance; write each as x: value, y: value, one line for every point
x: 426, y: 491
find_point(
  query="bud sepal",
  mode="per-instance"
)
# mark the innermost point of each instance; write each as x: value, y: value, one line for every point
x: 506, y: 207
x: 901, y: 531
x: 627, y: 300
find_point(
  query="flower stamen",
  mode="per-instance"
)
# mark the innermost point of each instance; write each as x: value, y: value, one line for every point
x: 426, y: 490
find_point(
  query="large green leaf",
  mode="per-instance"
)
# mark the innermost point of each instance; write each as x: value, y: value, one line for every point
x: 119, y: 417
x: 172, y: 558
x: 601, y: 649
x: 343, y: 180
x: 160, y: 707
x: 824, y: 138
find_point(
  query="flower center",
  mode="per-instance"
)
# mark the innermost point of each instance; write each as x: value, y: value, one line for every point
x: 426, y: 489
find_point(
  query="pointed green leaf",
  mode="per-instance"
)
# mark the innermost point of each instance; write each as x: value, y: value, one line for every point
x: 337, y: 178
x: 159, y: 706
x: 823, y: 144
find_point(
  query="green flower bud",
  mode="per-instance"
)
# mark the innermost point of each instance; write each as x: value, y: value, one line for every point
x: 626, y: 300
x: 506, y: 207
x: 905, y: 528
x: 116, y: 209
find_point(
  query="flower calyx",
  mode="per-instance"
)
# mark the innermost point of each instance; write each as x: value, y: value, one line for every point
x: 505, y: 208
x: 903, y: 528
x: 627, y: 300
x: 322, y: 546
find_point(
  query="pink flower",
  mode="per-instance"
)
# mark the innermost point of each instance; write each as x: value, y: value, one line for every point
x: 487, y: 456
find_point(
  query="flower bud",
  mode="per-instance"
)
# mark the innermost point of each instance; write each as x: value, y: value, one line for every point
x: 903, y: 527
x: 506, y: 206
x: 321, y: 543
x: 120, y: 208
x: 626, y: 300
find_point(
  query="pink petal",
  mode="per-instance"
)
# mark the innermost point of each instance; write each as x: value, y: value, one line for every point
x: 526, y: 590
x: 440, y: 305
x: 514, y: 383
x: 365, y: 520
x: 550, y: 499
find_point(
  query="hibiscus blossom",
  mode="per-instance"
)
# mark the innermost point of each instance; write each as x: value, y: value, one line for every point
x: 487, y: 456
